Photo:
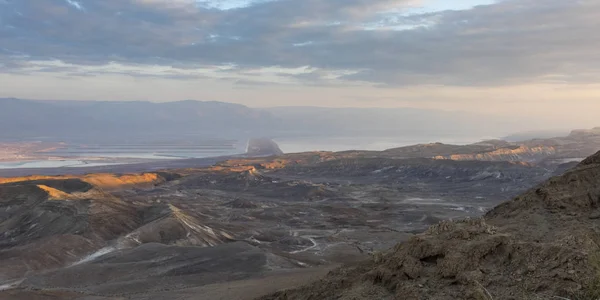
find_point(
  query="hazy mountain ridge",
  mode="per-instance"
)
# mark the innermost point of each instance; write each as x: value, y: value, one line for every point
x: 76, y: 119
x: 80, y: 119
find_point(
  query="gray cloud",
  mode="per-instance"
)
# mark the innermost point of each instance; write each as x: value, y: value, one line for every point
x: 512, y: 41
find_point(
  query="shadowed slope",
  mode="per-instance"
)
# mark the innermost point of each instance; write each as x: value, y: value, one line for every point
x: 52, y: 222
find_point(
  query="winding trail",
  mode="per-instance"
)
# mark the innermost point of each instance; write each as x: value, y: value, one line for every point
x: 314, y: 245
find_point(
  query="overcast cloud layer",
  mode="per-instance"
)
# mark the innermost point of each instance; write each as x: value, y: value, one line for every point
x: 532, y: 56
x: 376, y: 41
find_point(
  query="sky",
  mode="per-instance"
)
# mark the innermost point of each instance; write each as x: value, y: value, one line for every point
x: 533, y: 58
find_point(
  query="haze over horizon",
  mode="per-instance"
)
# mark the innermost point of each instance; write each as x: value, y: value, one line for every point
x: 526, y: 58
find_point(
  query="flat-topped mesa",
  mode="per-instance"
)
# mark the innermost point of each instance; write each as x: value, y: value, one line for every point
x: 585, y: 132
x: 514, y: 153
x: 258, y: 147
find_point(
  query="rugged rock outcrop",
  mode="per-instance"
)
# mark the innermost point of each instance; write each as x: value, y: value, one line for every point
x: 262, y: 147
x: 542, y: 244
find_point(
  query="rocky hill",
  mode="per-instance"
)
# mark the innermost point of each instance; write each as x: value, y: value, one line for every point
x: 544, y: 244
x: 574, y: 147
x: 258, y: 147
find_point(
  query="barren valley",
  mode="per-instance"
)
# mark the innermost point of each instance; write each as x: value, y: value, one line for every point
x: 246, y: 227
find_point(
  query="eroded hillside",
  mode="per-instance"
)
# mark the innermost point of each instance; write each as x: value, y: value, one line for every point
x: 540, y: 245
x: 244, y: 227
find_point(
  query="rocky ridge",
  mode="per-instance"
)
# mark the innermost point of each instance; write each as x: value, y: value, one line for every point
x: 574, y: 147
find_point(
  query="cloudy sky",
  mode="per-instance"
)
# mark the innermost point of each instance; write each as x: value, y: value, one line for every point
x: 537, y: 57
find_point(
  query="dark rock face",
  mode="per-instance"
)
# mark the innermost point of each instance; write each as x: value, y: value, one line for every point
x: 262, y: 147
x: 66, y: 185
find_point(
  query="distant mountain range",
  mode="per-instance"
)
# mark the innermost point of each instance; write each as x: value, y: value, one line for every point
x: 109, y: 120
x: 80, y: 119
